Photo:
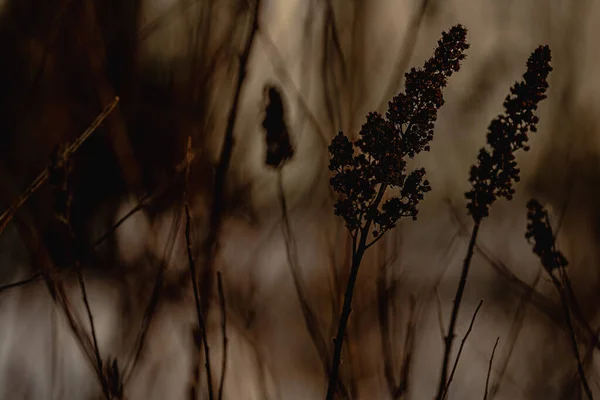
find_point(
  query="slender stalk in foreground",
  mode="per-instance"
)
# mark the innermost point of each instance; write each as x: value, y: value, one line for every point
x: 460, y: 349
x: 449, y: 339
x: 489, y: 372
x: 202, y: 325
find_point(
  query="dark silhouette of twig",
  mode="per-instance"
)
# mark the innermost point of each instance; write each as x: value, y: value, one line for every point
x: 513, y: 335
x: 487, y: 379
x: 572, y: 337
x: 438, y: 303
x: 455, y: 309
x: 22, y: 282
x: 396, y: 390
x: 201, y: 336
x: 192, y: 265
x: 7, y: 215
x: 460, y: 349
x: 539, y: 232
x: 105, y: 387
x: 409, y: 345
x: 155, y: 296
x: 218, y: 193
x: 139, y: 206
x: 223, y: 332
x: 58, y: 177
x: 310, y: 319
x: 383, y: 319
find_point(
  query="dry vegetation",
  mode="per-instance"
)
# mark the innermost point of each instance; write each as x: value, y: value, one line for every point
x: 197, y: 207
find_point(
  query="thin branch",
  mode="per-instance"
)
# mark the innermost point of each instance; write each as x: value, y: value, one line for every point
x: 192, y: 265
x: 567, y: 314
x: 460, y: 349
x: 456, y: 307
x: 218, y: 194
x: 57, y: 292
x: 487, y: 379
x: 139, y: 206
x: 8, y: 215
x: 438, y: 302
x: 22, y: 282
x: 409, y: 346
x: 383, y: 319
x: 310, y: 319
x: 155, y: 296
x: 223, y: 332
x: 103, y: 381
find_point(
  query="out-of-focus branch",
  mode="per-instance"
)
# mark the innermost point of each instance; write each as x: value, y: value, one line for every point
x: 7, y: 216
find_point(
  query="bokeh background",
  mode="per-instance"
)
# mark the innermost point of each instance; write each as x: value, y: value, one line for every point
x: 175, y: 66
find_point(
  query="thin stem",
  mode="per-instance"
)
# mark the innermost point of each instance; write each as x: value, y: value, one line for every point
x: 90, y: 316
x: 222, y: 167
x: 460, y: 349
x: 201, y: 324
x: 338, y: 342
x: 565, y: 303
x: 449, y: 339
x: 8, y: 215
x: 487, y: 379
x: 223, y: 332
x: 22, y: 282
x: 310, y: 319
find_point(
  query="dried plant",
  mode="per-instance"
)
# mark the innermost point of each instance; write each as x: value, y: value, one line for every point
x: 539, y: 232
x: 496, y: 172
x: 366, y: 168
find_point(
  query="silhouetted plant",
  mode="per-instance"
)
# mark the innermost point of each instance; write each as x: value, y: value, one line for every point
x: 365, y: 168
x: 497, y: 170
x: 58, y: 177
x: 539, y: 232
x: 279, y: 146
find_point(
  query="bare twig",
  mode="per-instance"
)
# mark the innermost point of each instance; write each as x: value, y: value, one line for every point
x: 218, y: 194
x: 103, y: 381
x: 223, y: 332
x: 567, y: 314
x: 460, y: 349
x: 540, y: 233
x: 155, y: 296
x: 438, y: 303
x: 514, y: 333
x: 22, y: 282
x: 487, y: 379
x: 383, y: 318
x: 455, y: 308
x: 409, y: 345
x: 310, y: 319
x: 139, y: 206
x: 192, y: 265
x: 8, y: 215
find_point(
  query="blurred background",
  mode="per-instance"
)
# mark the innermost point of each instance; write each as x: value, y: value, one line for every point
x: 190, y: 68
